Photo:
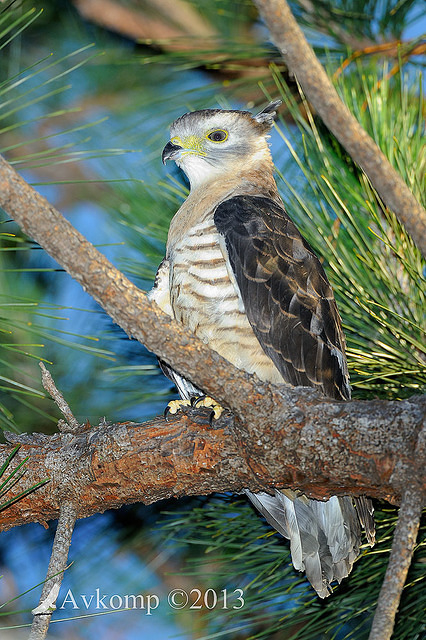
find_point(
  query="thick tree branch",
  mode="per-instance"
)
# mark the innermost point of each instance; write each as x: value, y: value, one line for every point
x: 269, y: 417
x: 282, y: 436
x: 320, y: 448
x: 255, y: 403
x: 302, y: 62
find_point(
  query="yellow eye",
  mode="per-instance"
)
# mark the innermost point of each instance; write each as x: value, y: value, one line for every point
x: 176, y: 141
x: 219, y: 135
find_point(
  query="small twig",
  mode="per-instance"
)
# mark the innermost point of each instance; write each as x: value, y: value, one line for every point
x: 57, y: 565
x: 403, y: 544
x: 49, y: 385
x: 404, y: 540
x: 406, y: 49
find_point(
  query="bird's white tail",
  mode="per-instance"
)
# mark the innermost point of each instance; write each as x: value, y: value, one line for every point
x: 324, y: 536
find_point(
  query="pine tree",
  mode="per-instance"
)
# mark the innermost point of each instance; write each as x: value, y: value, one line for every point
x: 376, y: 270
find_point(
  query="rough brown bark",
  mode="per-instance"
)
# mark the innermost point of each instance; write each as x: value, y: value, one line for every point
x: 269, y: 417
x: 303, y: 63
x: 320, y: 447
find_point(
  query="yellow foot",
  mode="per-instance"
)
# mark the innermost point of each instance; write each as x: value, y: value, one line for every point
x: 210, y: 403
x: 201, y: 401
x: 176, y: 405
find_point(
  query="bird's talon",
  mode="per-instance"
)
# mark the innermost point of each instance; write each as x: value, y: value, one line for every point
x: 176, y: 405
x: 210, y: 403
x: 195, y: 400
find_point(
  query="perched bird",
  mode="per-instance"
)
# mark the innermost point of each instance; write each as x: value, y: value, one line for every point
x: 239, y: 275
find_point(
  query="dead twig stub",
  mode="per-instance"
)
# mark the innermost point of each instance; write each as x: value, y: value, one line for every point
x: 62, y: 404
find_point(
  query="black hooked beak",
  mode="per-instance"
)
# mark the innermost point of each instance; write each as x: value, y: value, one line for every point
x: 170, y: 152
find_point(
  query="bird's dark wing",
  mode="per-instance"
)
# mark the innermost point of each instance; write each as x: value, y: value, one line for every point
x: 287, y: 297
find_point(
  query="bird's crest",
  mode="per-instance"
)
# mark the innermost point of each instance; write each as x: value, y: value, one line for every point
x: 268, y: 114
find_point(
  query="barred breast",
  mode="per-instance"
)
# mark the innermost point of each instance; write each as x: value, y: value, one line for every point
x: 205, y: 297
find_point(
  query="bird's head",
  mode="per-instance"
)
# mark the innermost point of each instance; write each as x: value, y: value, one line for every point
x: 212, y: 142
